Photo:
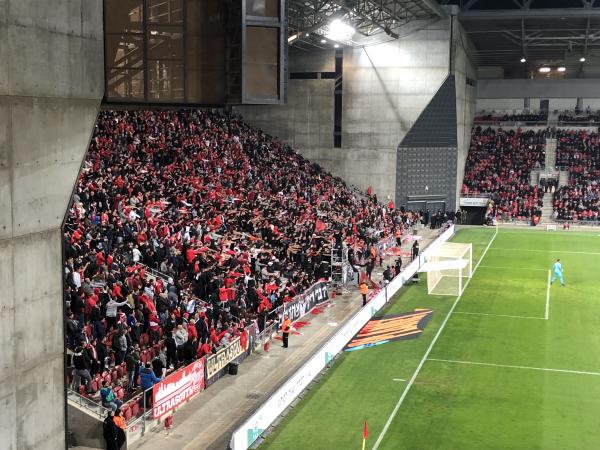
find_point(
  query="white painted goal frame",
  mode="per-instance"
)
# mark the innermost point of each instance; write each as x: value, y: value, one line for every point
x: 447, y: 267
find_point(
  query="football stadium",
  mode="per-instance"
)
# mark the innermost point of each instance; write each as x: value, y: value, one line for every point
x: 299, y: 224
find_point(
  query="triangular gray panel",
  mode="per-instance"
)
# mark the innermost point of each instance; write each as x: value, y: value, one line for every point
x: 436, y: 126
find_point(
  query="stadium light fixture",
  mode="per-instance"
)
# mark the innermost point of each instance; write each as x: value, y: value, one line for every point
x: 323, y: 41
x: 292, y: 38
x: 523, y: 59
x: 582, y: 59
x: 562, y: 69
x: 545, y: 69
x: 336, y: 46
x: 339, y: 31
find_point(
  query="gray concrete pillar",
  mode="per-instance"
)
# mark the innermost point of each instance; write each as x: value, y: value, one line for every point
x: 51, y: 83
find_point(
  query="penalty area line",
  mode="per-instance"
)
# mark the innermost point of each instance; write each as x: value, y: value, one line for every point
x: 428, y: 351
x: 498, y: 315
x: 509, y: 366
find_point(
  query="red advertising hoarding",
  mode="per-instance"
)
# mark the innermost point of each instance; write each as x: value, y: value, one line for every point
x: 177, y: 388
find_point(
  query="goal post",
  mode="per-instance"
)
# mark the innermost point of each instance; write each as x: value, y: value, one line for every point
x: 448, y: 268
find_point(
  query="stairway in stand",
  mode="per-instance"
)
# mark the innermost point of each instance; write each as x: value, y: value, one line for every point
x: 547, y: 209
x: 550, y: 155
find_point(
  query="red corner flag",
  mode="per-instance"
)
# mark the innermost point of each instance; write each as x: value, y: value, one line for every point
x: 365, y: 434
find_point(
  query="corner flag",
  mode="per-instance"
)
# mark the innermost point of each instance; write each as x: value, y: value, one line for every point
x: 365, y: 435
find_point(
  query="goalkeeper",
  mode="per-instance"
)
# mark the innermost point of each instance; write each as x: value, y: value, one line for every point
x: 557, y: 272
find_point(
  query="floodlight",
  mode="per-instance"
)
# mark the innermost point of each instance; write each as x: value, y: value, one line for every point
x: 336, y: 46
x: 323, y: 41
x: 339, y: 31
x: 562, y: 69
x: 523, y: 59
x: 582, y: 59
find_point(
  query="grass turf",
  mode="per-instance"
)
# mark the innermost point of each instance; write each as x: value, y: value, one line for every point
x: 453, y: 405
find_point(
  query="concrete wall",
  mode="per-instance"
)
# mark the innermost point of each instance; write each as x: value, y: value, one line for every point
x: 466, y: 95
x: 86, y: 427
x: 385, y: 88
x: 51, y: 81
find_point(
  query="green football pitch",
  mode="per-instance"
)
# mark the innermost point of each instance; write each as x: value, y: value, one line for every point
x: 511, y: 364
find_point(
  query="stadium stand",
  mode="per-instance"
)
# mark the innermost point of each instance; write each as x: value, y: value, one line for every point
x: 579, y: 117
x: 529, y: 118
x: 184, y: 227
x: 499, y: 164
x: 578, y: 151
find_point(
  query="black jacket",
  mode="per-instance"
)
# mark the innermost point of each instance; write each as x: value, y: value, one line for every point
x: 81, y: 361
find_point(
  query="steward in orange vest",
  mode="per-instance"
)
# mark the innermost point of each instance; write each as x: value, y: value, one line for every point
x: 285, y: 329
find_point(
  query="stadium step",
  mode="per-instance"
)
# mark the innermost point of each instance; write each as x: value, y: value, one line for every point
x: 550, y: 153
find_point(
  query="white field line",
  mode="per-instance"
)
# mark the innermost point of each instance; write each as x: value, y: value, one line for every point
x: 546, y: 316
x: 398, y: 379
x: 508, y: 366
x: 428, y: 351
x: 498, y: 315
x: 542, y: 251
x: 548, y: 297
x: 518, y: 268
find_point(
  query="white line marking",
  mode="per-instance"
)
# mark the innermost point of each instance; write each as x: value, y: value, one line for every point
x: 511, y: 268
x: 548, y: 297
x: 435, y: 338
x: 398, y: 379
x: 542, y: 251
x: 498, y: 315
x: 543, y: 369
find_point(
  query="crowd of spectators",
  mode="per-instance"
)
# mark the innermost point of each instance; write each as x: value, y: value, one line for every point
x: 542, y: 116
x: 578, y: 116
x: 578, y: 151
x: 499, y: 164
x: 237, y: 222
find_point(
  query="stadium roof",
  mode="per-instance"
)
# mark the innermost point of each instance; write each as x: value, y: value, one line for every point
x: 547, y: 33
x: 309, y: 20
x: 550, y: 33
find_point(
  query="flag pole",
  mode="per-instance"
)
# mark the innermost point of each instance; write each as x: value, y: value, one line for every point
x: 365, y: 435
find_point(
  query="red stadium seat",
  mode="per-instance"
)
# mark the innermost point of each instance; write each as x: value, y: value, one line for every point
x: 119, y: 392
x: 94, y: 386
x: 135, y: 409
x: 126, y: 410
x: 114, y: 375
x: 82, y: 390
x: 106, y: 376
x: 121, y: 370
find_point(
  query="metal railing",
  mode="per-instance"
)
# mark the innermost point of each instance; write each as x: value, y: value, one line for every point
x: 475, y: 195
x: 87, y: 403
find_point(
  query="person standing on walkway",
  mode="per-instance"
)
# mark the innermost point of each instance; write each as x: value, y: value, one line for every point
x: 364, y: 291
x: 285, y: 329
x: 415, y: 250
x: 110, y: 432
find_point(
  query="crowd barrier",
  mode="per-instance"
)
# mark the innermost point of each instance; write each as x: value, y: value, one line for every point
x: 187, y: 382
x: 265, y: 415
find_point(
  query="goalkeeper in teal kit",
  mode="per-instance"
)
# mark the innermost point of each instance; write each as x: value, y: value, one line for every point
x: 557, y: 272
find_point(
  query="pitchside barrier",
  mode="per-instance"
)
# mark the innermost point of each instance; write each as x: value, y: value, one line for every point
x: 266, y: 414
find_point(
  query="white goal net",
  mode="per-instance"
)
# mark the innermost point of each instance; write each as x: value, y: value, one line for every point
x: 448, y: 268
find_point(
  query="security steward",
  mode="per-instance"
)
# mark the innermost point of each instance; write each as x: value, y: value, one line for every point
x: 285, y: 329
x: 364, y: 291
